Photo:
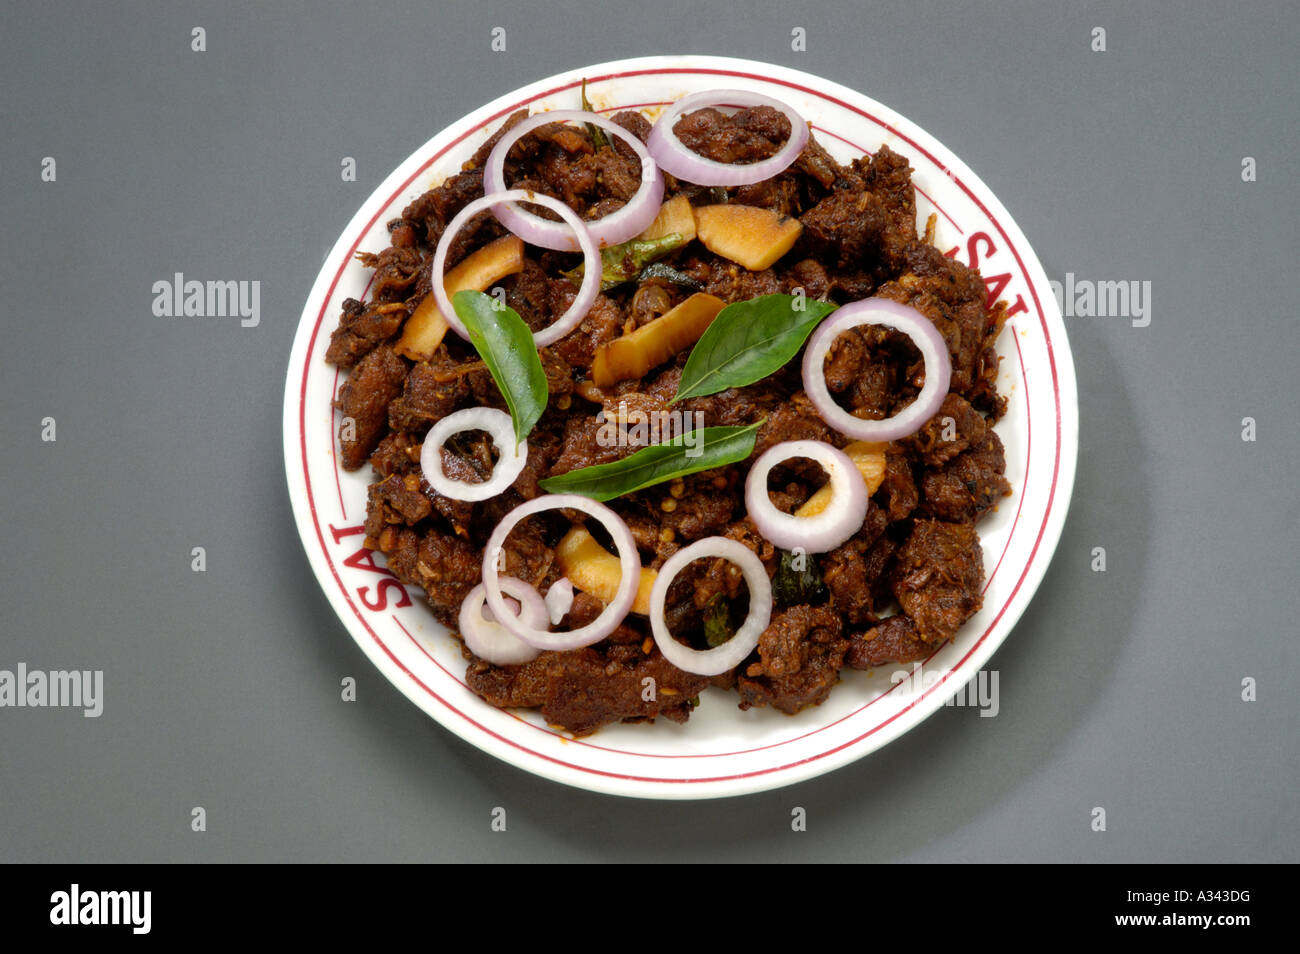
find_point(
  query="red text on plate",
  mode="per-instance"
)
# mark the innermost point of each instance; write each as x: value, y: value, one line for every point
x: 363, y: 559
x: 995, y: 283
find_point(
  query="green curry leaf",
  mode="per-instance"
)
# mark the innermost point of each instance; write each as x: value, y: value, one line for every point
x: 506, y: 346
x: 623, y: 262
x: 748, y: 341
x: 689, y: 453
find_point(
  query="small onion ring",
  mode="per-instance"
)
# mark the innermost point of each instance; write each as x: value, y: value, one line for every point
x: 720, y: 659
x: 843, y: 516
x: 615, y: 611
x: 675, y: 158
x: 902, y: 318
x: 488, y: 639
x: 502, y: 431
x: 590, y: 259
x: 628, y: 222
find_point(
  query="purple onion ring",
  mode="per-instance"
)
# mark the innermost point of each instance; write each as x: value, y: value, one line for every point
x: 620, y: 225
x: 842, y: 517
x: 500, y: 428
x: 675, y: 158
x: 615, y: 611
x: 590, y: 257
x: 720, y: 659
x: 487, y: 638
x: 904, y: 319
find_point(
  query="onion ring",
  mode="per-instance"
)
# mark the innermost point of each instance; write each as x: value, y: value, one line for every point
x: 842, y: 517
x: 487, y: 638
x: 720, y: 659
x: 628, y: 222
x: 675, y: 158
x: 902, y: 318
x: 615, y: 611
x: 590, y: 258
x: 510, y: 463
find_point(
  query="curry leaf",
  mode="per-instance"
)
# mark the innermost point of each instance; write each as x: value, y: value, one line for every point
x: 797, y: 580
x: 669, y: 274
x: 621, y: 263
x: 506, y: 346
x: 748, y: 341
x: 689, y: 453
x: 718, y: 627
x: 598, y: 140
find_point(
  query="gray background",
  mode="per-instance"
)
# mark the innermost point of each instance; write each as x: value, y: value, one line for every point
x: 1118, y: 689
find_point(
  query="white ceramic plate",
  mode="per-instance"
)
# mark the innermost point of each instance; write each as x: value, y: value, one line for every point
x: 721, y: 750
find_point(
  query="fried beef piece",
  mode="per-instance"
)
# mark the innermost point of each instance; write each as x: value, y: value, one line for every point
x: 888, y: 176
x: 527, y: 557
x: 730, y: 282
x: 562, y: 161
x: 744, y: 532
x: 430, y: 213
x: 634, y: 123
x: 800, y: 656
x: 953, y: 297
x: 812, y: 277
x: 937, y: 577
x: 746, y: 136
x: 853, y: 572
x: 955, y: 427
x: 780, y: 194
x: 559, y: 373
x: 816, y: 163
x: 478, y: 231
x: 965, y: 463
x: 616, y: 173
x: 873, y: 371
x: 650, y: 537
x: 699, y: 515
x: 895, y: 640
x: 897, y: 492
x: 432, y: 391
x: 585, y: 446
x: 588, y: 693
x: 510, y: 687
x: 471, y: 469
x: 446, y: 566
x: 736, y: 406
x: 396, y: 499
x: 794, y: 420
x: 364, y: 400
x: 480, y: 155
x: 847, y: 363
x: 846, y: 229
x: 543, y: 448
x: 582, y: 690
x: 396, y: 271
x: 966, y: 489
x: 531, y: 293
x: 844, y: 571
x: 483, y: 389
x: 604, y: 322
x: 554, y: 173
x: 584, y: 610
x: 402, y: 234
x: 361, y: 328
x: 397, y: 453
